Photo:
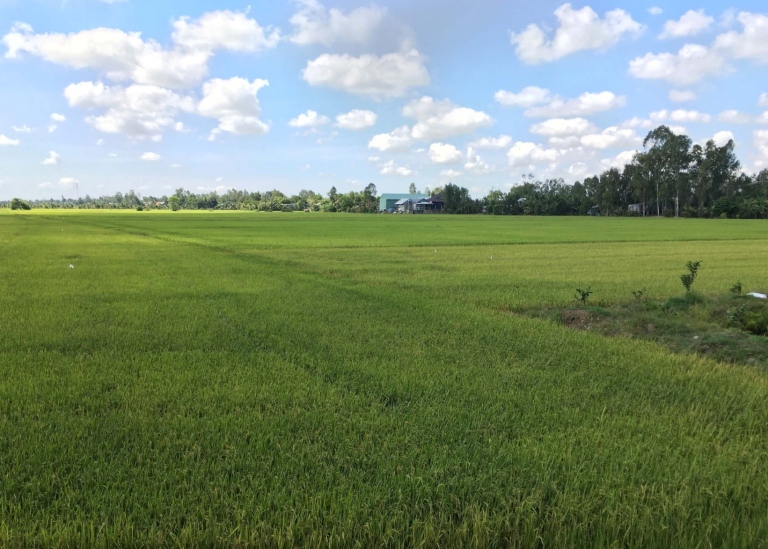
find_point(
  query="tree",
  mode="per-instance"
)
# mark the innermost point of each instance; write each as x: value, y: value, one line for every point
x: 369, y: 197
x: 412, y: 189
x: 333, y: 196
x: 669, y: 161
x: 173, y: 203
x: 19, y: 204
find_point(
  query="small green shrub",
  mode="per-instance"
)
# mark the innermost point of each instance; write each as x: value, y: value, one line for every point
x: 639, y: 293
x: 583, y: 295
x: 688, y: 278
x: 737, y: 288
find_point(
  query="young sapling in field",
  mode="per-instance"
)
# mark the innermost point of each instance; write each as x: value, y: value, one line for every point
x: 583, y: 295
x: 688, y: 278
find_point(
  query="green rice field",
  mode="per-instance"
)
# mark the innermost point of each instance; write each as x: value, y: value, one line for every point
x: 228, y: 379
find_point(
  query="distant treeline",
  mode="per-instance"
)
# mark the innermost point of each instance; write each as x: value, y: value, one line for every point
x: 670, y: 177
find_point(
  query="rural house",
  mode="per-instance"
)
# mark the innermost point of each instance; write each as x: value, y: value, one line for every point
x: 388, y: 201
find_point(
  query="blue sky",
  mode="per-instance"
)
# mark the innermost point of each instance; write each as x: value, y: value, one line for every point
x: 104, y: 96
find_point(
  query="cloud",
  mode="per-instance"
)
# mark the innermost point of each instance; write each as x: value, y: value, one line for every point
x: 150, y: 157
x: 391, y: 168
x: 356, y: 120
x: 22, y: 129
x: 527, y: 97
x: 53, y: 159
x: 751, y: 43
x: 688, y: 66
x: 442, y: 119
x: 690, y: 24
x: 441, y: 153
x: 316, y: 24
x: 68, y: 182
x: 584, y: 105
x: 476, y: 164
x: 126, y: 56
x: 310, y: 119
x: 637, y: 122
x: 695, y: 62
x: 721, y: 138
x: 579, y: 169
x: 7, y: 141
x: 526, y: 153
x: 681, y: 96
x: 390, y: 75
x: 577, y: 30
x: 501, y: 142
x: 234, y: 103
x: 398, y: 140
x: 763, y: 100
x: 655, y: 10
x: 680, y: 116
x: 610, y: 138
x: 620, y: 160
x: 56, y: 117
x: 760, y: 140
x: 558, y: 127
x: 450, y: 173
x: 223, y: 30
x: 734, y: 117
x: 138, y: 111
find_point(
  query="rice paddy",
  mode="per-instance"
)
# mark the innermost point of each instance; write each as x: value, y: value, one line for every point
x: 254, y: 379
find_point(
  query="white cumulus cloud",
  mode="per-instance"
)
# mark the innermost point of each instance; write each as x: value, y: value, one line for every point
x: 558, y: 127
x: 150, y: 157
x: 584, y: 105
x: 527, y: 97
x: 53, y: 159
x: 127, y: 56
x: 476, y: 165
x: 681, y: 96
x: 450, y: 173
x: 690, y: 24
x: 398, y: 140
x: 442, y: 153
x: 7, y: 141
x: 390, y: 75
x: 526, y: 153
x: 316, y: 24
x: 721, y: 138
x: 22, y: 129
x: 688, y: 66
x: 391, y: 168
x: 610, y: 138
x: 138, y: 111
x: 234, y: 103
x: 442, y: 119
x: 680, y: 115
x: 694, y: 62
x: 578, y: 29
x: 356, y: 119
x: 501, y: 142
x: 309, y: 119
x: 734, y: 117
x: 56, y: 117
